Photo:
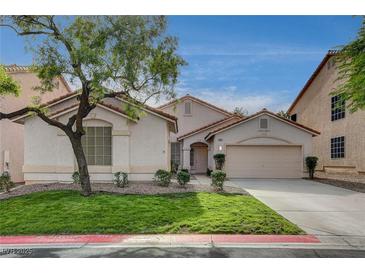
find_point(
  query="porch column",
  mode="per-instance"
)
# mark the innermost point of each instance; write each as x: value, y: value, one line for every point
x: 186, y: 158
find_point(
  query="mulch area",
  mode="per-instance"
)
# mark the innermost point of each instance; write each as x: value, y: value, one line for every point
x: 145, y: 188
x: 344, y: 181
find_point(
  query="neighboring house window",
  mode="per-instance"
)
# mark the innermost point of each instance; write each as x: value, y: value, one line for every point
x: 338, y: 147
x: 175, y: 153
x: 263, y: 123
x: 338, y: 107
x: 97, y: 144
x: 187, y: 108
x: 293, y: 117
x: 192, y: 157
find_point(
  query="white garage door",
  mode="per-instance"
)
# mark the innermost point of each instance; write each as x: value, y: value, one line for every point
x: 264, y: 161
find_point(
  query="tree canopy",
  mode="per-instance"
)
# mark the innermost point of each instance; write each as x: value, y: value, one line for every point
x: 350, y: 61
x: 107, y: 56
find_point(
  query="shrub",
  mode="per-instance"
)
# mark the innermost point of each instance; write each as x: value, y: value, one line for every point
x: 311, y: 163
x: 174, y: 167
x: 185, y: 170
x: 209, y: 172
x: 183, y: 178
x: 120, y: 179
x: 5, y: 182
x: 218, y: 178
x: 219, y: 160
x: 162, y: 177
x: 76, y: 177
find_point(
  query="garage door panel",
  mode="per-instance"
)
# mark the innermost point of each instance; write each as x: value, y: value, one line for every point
x: 264, y: 162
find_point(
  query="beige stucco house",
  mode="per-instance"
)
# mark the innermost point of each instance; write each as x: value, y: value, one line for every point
x: 341, y: 144
x: 113, y: 142
x: 262, y: 145
x: 12, y: 134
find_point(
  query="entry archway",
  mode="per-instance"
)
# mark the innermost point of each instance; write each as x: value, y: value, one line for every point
x: 198, y: 158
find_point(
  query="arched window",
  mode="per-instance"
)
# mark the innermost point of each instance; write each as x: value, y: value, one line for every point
x: 97, y: 144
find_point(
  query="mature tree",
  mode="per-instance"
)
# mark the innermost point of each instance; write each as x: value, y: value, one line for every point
x: 283, y: 114
x: 240, y: 111
x: 350, y: 61
x: 107, y: 56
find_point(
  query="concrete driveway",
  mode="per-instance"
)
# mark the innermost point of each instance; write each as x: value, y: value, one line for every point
x: 317, y: 208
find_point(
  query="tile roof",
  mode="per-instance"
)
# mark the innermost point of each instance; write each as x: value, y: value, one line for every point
x: 329, y: 54
x: 263, y: 111
x: 188, y: 96
x: 195, y: 131
x: 14, y: 68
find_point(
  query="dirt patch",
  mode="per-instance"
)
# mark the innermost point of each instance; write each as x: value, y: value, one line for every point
x: 355, y: 186
x: 147, y: 188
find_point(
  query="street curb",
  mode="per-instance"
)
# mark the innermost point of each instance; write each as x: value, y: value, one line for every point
x: 170, y: 239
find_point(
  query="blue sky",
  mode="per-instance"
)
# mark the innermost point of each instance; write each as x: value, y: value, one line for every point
x: 246, y: 61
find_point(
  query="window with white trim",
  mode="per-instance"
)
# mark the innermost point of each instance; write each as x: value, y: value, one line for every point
x: 338, y: 147
x: 338, y: 107
x: 175, y: 153
x: 97, y: 145
x: 187, y: 109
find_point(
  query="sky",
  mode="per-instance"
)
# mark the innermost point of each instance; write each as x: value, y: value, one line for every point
x: 239, y: 61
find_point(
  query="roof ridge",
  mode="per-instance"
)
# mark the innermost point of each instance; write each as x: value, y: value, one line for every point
x: 197, y: 99
x: 207, y: 126
x: 313, y: 76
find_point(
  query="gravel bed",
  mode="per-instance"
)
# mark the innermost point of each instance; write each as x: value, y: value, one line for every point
x: 147, y: 188
x: 348, y: 181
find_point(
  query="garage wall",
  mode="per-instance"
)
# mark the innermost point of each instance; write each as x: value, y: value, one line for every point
x: 279, y: 133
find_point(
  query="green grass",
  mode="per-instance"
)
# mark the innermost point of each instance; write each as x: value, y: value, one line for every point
x: 67, y: 212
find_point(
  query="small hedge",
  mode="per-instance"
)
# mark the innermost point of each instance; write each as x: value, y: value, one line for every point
x: 5, y: 182
x: 219, y: 160
x: 120, y: 179
x: 76, y: 177
x: 162, y: 177
x: 218, y: 178
x: 183, y: 178
x: 311, y: 163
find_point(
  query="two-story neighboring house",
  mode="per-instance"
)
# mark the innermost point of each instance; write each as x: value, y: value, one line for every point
x: 12, y: 134
x: 341, y: 145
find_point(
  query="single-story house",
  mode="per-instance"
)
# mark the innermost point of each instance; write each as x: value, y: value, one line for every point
x: 113, y: 142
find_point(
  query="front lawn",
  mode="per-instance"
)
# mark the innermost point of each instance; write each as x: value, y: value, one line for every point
x: 66, y: 212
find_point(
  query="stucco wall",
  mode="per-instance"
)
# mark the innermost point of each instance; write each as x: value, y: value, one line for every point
x: 137, y: 148
x: 11, y: 134
x: 248, y: 133
x: 314, y: 110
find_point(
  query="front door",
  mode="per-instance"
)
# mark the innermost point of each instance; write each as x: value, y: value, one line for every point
x: 200, y: 160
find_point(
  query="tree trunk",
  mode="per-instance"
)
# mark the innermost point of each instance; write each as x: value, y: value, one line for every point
x: 82, y: 164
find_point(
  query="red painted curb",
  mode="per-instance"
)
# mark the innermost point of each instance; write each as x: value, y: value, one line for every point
x: 159, y: 238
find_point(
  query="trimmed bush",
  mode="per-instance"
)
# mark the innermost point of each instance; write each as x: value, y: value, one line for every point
x: 209, y: 172
x: 120, y: 179
x: 311, y: 163
x: 219, y: 160
x: 174, y: 167
x: 76, y: 177
x: 218, y: 178
x: 185, y: 170
x: 162, y: 177
x: 183, y: 178
x: 5, y: 182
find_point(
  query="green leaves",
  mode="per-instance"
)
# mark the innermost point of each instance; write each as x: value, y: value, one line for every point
x: 351, y: 65
x: 8, y: 86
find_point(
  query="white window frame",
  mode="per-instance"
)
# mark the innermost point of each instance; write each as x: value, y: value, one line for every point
x: 95, y: 143
x: 176, y: 152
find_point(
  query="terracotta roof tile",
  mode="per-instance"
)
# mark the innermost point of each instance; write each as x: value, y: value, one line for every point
x: 212, y: 133
x: 188, y: 96
x: 233, y: 117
